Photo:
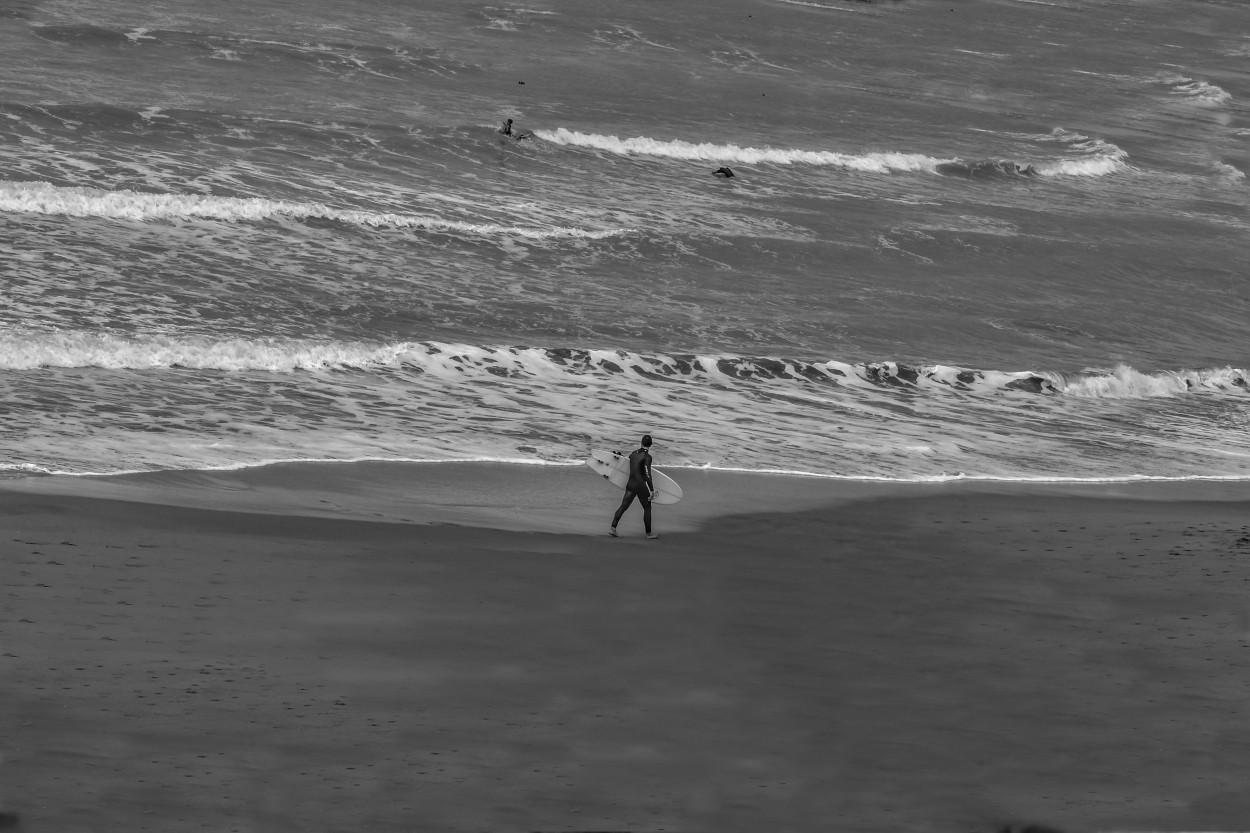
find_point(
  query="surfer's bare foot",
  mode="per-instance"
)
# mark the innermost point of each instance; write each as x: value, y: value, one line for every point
x: 652, y: 535
x: 612, y: 531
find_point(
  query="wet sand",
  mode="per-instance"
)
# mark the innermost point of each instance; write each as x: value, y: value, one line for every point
x: 874, y: 659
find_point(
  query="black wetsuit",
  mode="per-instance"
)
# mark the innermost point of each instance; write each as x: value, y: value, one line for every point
x: 638, y: 486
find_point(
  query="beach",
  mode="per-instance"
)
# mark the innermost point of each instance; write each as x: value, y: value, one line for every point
x: 301, y: 357
x: 947, y: 657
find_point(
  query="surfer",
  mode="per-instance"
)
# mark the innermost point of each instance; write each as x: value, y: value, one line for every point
x: 519, y: 135
x: 639, y: 486
x: 723, y: 173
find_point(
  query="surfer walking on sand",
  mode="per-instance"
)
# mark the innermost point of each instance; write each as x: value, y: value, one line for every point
x: 639, y: 486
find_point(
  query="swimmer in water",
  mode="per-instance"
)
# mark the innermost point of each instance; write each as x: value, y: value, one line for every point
x: 519, y: 135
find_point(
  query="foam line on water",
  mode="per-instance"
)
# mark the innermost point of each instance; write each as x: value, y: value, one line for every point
x: 33, y: 469
x: 23, y: 349
x: 1095, y: 158
x: 30, y: 469
x: 708, y: 152
x: 1196, y: 91
x: 76, y: 201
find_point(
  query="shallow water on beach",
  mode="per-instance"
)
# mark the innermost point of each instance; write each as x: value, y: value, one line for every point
x: 1002, y: 240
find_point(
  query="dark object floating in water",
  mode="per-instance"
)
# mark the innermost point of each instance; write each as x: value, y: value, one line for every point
x: 1032, y: 384
x: 986, y: 168
x: 724, y: 172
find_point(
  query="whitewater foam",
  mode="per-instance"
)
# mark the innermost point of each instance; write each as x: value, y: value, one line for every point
x: 46, y: 198
x: 1196, y: 91
x: 827, y: 7
x: 708, y: 152
x: 1093, y: 166
x: 1229, y: 173
x: 34, y: 470
x: 25, y: 349
x: 1126, y: 383
x: 198, y: 402
x: 1086, y: 156
x: 1096, y: 158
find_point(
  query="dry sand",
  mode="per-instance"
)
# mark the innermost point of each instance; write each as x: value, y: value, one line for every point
x: 939, y: 659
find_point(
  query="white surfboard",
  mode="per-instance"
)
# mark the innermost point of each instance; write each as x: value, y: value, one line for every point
x: 615, y: 467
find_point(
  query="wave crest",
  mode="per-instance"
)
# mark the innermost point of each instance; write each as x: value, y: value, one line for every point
x: 27, y: 350
x: 1096, y: 158
x: 1126, y: 383
x: 74, y: 201
x: 708, y: 152
x: 1086, y: 156
x: 1196, y: 91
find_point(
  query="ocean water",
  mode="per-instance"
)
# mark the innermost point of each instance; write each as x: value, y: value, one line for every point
x: 985, y: 238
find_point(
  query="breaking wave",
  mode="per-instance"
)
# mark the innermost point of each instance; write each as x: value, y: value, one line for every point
x: 1124, y: 382
x: 26, y: 350
x: 45, y: 198
x: 707, y: 152
x: 1197, y: 92
x: 1096, y: 158
x: 1091, y: 166
x: 1229, y: 173
x: 1085, y: 156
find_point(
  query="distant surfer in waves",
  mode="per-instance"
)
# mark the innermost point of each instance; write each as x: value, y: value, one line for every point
x: 724, y: 173
x: 639, y: 486
x: 506, y: 130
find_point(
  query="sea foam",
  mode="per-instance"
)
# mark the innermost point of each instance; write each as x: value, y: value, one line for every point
x: 708, y: 152
x: 26, y: 349
x: 46, y: 198
x: 1096, y: 158
x: 1196, y: 91
x: 160, y: 402
x: 1126, y: 383
x: 21, y: 350
x: 1087, y: 156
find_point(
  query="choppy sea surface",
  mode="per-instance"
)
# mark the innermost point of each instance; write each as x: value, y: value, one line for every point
x: 999, y: 238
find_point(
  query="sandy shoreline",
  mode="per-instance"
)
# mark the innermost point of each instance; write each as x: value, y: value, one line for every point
x: 950, y: 659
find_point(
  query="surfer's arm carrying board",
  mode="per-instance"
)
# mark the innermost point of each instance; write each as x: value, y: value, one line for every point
x: 614, y: 467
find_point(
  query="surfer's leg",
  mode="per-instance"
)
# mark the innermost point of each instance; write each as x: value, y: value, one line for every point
x: 646, y: 512
x: 625, y: 502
